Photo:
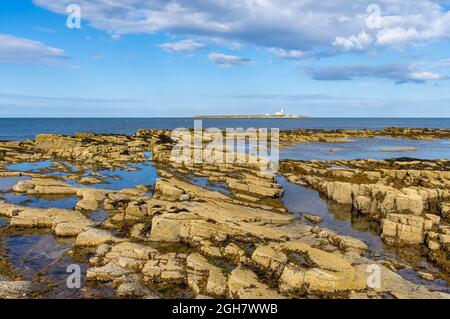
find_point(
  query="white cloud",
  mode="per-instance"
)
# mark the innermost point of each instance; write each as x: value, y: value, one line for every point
x: 359, y: 42
x: 14, y: 50
x: 227, y: 60
x: 397, y: 36
x: 399, y: 73
x: 424, y: 76
x: 285, y: 24
x: 288, y: 54
x: 409, y: 23
x: 182, y: 46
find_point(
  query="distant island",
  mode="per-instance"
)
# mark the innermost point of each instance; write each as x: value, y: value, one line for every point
x: 280, y: 114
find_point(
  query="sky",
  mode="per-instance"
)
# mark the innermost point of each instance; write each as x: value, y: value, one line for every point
x: 140, y: 58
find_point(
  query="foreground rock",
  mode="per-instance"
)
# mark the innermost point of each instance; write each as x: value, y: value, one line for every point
x: 65, y: 223
x: 18, y: 289
x: 96, y: 237
x: 204, y: 278
x: 243, y: 284
x: 321, y: 272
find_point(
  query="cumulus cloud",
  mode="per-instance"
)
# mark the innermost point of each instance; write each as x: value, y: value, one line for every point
x: 397, y: 36
x: 182, y: 46
x: 359, y: 42
x: 286, y: 24
x: 14, y: 50
x: 416, y: 22
x: 225, y: 60
x: 399, y: 73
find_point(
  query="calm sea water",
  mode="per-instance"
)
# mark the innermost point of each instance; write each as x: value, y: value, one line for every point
x: 20, y: 129
x: 362, y: 148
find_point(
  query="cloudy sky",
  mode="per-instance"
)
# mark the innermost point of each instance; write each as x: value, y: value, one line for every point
x: 140, y: 58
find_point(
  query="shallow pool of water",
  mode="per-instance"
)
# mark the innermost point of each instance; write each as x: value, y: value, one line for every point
x: 362, y: 148
x: 145, y: 174
x: 436, y: 284
x: 135, y: 174
x: 66, y: 202
x: 44, y: 259
x: 47, y: 167
x: 98, y: 216
x: 30, y: 166
x: 204, y: 182
x: 7, y: 183
x: 33, y: 254
x: 3, y: 222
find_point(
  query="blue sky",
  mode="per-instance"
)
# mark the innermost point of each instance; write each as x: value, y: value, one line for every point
x: 136, y: 58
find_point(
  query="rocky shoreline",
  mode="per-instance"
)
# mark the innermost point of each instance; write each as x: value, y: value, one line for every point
x: 229, y: 237
x: 317, y: 135
x: 409, y: 198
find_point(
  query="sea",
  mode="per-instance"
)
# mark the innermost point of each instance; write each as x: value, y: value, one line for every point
x: 20, y: 129
x: 27, y: 128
